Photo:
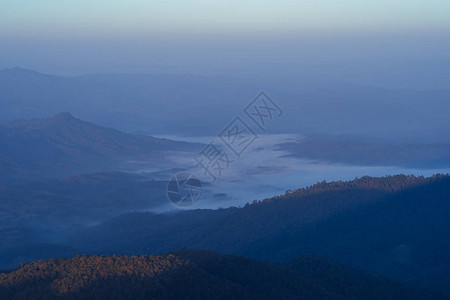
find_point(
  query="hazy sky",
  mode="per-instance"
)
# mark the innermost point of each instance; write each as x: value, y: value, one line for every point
x: 112, y: 17
x: 220, y: 37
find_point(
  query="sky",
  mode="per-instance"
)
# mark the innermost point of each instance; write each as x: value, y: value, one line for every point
x: 218, y: 37
x: 136, y: 17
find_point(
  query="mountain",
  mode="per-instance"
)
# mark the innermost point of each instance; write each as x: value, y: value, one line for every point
x: 162, y: 103
x: 13, y: 256
x: 194, y: 274
x: 186, y: 104
x: 64, y: 145
x: 396, y: 226
x: 79, y: 200
x: 354, y: 152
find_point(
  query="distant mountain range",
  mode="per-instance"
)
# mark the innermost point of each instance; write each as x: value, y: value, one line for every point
x: 189, y: 274
x: 351, y: 152
x: 64, y: 145
x: 155, y: 103
x: 199, y: 105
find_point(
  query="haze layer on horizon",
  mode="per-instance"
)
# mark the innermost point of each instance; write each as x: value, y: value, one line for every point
x: 348, y: 40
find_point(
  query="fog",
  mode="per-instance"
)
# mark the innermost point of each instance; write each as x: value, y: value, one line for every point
x: 264, y: 171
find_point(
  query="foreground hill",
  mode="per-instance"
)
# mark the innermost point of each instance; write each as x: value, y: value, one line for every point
x: 64, y: 145
x: 396, y: 226
x: 188, y: 274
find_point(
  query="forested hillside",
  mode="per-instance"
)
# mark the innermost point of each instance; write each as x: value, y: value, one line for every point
x: 396, y: 226
x: 188, y: 274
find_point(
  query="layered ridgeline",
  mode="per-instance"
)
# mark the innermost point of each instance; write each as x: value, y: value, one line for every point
x: 194, y: 105
x: 354, y: 152
x: 396, y: 226
x: 189, y: 274
x: 64, y: 145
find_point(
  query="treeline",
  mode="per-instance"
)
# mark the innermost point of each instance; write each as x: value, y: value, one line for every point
x: 389, y: 184
x: 396, y: 226
x: 189, y: 274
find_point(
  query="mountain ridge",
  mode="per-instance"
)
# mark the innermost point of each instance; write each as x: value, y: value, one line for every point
x: 194, y: 274
x: 133, y: 102
x: 342, y: 221
x: 63, y: 145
